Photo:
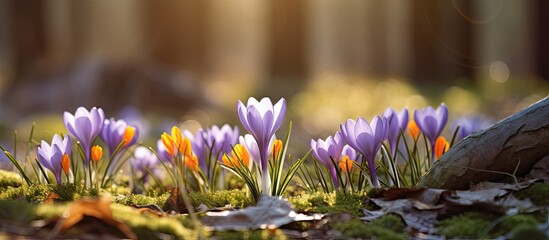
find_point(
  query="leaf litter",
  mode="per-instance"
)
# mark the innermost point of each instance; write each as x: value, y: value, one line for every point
x: 421, y: 208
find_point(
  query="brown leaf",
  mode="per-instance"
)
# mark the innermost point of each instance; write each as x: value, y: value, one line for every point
x: 52, y: 197
x: 151, y: 209
x: 93, y: 216
x: 421, y: 220
x: 175, y: 202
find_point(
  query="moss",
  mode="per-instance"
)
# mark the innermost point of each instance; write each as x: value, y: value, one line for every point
x: 216, y: 199
x: 344, y: 203
x: 9, y: 179
x: 390, y: 222
x: 139, y: 199
x: 538, y: 193
x: 308, y: 202
x: 144, y: 225
x: 528, y: 232
x: 16, y: 211
x: 32, y: 193
x: 70, y: 192
x: 148, y: 227
x: 339, y: 202
x: 257, y: 234
x: 467, y: 225
x: 375, y: 230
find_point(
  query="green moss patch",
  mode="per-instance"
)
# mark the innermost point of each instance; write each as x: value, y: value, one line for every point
x: 538, y: 193
x: 216, y: 199
x: 339, y: 202
x: 386, y: 227
x: 9, y: 179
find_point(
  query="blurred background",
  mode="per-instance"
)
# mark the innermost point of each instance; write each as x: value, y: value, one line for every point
x: 190, y: 61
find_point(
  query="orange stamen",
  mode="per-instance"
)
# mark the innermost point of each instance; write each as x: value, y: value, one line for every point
x: 346, y: 164
x: 65, y: 164
x: 128, y: 136
x: 413, y: 129
x: 96, y: 153
x: 441, y: 146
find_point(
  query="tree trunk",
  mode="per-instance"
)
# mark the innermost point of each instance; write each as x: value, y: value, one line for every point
x: 517, y: 142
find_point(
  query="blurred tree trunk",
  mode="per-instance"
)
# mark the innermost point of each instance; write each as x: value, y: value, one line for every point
x: 442, y: 41
x: 517, y: 142
x: 287, y: 40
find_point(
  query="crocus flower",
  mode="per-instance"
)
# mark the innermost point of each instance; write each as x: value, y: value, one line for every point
x: 328, y: 152
x: 431, y: 122
x: 66, y: 164
x: 413, y: 130
x: 468, y: 125
x: 346, y: 164
x: 85, y: 126
x: 215, y: 139
x: 277, y: 148
x: 221, y: 139
x: 238, y: 154
x: 51, y: 156
x: 396, y: 122
x: 248, y: 141
x: 163, y: 154
x: 144, y: 159
x: 96, y: 154
x: 351, y: 153
x: 441, y: 146
x: 262, y: 119
x: 366, y: 139
x: 114, y: 132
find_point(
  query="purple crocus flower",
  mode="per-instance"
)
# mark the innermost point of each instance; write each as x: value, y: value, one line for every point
x: 85, y: 125
x: 113, y: 133
x: 222, y: 138
x: 351, y: 153
x: 142, y: 159
x: 50, y: 156
x: 328, y: 152
x: 199, y: 142
x: 262, y: 120
x: 215, y: 139
x: 248, y: 141
x: 366, y: 139
x: 468, y: 125
x: 431, y: 122
x: 396, y: 122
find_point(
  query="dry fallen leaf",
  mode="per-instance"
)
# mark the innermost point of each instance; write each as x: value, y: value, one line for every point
x: 420, y: 208
x: 52, y: 197
x: 92, y: 216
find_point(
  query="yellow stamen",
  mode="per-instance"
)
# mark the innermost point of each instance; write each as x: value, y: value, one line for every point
x: 96, y: 153
x: 277, y: 148
x: 128, y: 136
x: 413, y: 129
x: 65, y: 164
x: 168, y: 142
x: 346, y: 164
x: 441, y: 146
